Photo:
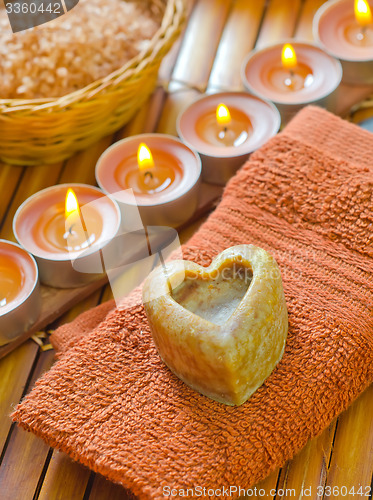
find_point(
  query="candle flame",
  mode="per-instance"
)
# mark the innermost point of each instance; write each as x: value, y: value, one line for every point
x: 288, y: 56
x: 223, y: 115
x: 71, y: 204
x: 144, y: 157
x: 363, y: 13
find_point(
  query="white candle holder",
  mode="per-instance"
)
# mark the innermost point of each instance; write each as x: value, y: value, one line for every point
x: 331, y: 26
x: 323, y: 76
x: 33, y: 229
x: 170, y: 207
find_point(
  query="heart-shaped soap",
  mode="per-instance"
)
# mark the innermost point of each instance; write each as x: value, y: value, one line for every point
x: 221, y: 329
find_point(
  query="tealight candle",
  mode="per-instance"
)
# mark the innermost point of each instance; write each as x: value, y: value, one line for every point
x: 225, y: 128
x: 344, y: 28
x: 67, y: 223
x: 293, y: 75
x: 19, y: 291
x: 162, y: 172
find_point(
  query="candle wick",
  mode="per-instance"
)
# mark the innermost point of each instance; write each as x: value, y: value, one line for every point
x: 148, y: 173
x: 291, y: 73
x: 225, y: 130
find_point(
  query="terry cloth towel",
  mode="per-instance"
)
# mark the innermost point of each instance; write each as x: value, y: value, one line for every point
x: 110, y: 402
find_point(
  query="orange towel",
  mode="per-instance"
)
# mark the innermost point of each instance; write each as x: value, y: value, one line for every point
x: 110, y: 402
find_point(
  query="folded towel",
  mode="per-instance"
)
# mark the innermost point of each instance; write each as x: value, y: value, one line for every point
x: 110, y: 402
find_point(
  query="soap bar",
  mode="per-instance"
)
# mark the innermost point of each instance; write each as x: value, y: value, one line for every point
x: 221, y: 329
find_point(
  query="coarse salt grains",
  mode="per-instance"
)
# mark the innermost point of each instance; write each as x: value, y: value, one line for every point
x: 91, y: 41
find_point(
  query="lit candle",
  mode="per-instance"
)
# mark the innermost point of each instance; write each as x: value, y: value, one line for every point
x: 218, y: 128
x: 19, y: 291
x: 363, y: 16
x: 163, y: 174
x: 344, y: 28
x: 292, y: 75
x: 220, y: 329
x: 146, y: 177
x: 65, y: 224
x: 225, y: 128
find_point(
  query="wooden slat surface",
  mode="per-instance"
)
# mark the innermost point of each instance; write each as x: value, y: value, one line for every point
x: 207, y: 57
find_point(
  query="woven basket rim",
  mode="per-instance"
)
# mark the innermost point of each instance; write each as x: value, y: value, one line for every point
x: 174, y: 10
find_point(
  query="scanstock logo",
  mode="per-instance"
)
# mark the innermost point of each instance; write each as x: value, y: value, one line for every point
x: 25, y: 14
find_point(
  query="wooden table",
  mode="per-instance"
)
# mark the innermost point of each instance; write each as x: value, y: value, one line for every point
x: 208, y: 56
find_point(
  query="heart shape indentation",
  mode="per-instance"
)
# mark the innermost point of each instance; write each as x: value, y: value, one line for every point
x: 220, y: 329
x: 214, y: 296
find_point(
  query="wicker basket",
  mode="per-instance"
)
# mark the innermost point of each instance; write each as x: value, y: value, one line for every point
x: 50, y: 130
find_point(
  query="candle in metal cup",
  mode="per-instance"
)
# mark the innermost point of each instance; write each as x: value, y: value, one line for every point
x: 20, y: 300
x: 225, y: 128
x: 67, y: 223
x: 163, y: 174
x: 344, y: 28
x: 293, y: 74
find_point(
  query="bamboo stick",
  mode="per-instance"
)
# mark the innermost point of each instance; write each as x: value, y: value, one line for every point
x: 351, y: 465
x: 81, y: 167
x: 279, y: 22
x: 308, y: 469
x: 174, y: 104
x: 237, y: 40
x: 64, y: 479
x: 168, y: 62
x: 304, y: 27
x: 103, y: 489
x: 200, y: 43
x: 9, y: 178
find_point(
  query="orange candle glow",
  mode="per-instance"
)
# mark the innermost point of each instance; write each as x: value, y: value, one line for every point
x: 223, y: 116
x: 144, y: 158
x: 298, y: 75
x: 149, y: 175
x: 19, y: 291
x: 344, y: 28
x: 363, y: 14
x: 76, y: 234
x: 71, y: 204
x: 11, y: 279
x: 288, y: 56
x: 59, y: 225
x: 154, y: 178
x: 224, y: 127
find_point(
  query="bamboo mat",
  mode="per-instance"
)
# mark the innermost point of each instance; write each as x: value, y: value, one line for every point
x: 208, y: 57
